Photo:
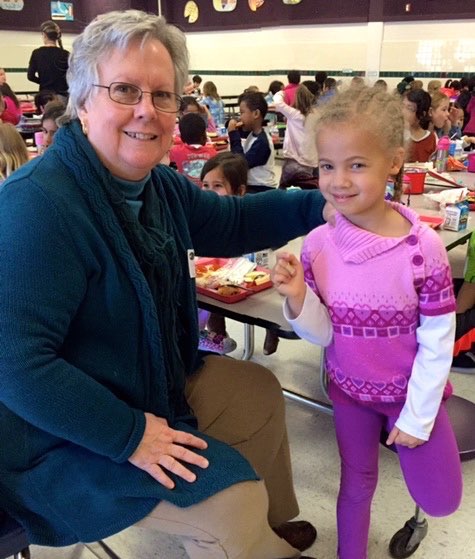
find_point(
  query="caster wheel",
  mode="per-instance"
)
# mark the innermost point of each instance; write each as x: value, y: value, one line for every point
x: 398, y: 546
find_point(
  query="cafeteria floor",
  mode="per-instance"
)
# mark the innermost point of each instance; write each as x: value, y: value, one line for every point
x: 315, y: 463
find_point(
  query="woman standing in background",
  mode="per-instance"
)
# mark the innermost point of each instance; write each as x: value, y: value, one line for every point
x: 49, y: 63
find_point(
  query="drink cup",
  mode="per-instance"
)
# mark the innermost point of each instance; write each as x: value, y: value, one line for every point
x: 38, y: 139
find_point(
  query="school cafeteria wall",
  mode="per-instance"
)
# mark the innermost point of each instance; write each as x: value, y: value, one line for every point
x: 236, y: 59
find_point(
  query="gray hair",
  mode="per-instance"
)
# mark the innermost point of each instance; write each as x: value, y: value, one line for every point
x: 116, y: 30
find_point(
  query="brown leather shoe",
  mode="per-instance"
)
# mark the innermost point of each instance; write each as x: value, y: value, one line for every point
x: 299, y: 534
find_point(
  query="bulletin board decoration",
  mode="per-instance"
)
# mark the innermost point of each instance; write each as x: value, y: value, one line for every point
x: 13, y: 5
x: 224, y: 5
x: 191, y: 12
x: 62, y: 11
x: 255, y: 4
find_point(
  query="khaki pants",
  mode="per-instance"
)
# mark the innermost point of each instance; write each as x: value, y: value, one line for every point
x: 241, y: 403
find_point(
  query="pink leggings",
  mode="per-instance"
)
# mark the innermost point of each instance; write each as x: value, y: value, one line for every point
x: 432, y: 471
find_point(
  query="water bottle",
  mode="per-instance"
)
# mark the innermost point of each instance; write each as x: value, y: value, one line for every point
x: 442, y: 155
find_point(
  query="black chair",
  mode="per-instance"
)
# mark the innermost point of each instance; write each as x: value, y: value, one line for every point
x: 13, y: 539
x: 462, y: 417
x: 14, y: 542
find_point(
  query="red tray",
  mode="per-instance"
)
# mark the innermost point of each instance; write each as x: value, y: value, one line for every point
x: 247, y: 289
x: 433, y: 221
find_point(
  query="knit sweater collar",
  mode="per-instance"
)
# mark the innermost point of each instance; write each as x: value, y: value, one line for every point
x: 358, y: 245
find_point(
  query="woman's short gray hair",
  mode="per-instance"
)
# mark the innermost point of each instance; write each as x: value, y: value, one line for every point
x: 115, y: 30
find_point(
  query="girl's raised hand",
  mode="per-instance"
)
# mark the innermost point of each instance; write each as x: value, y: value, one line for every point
x: 287, y: 276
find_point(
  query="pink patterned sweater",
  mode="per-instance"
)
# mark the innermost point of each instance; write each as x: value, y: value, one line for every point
x: 377, y: 290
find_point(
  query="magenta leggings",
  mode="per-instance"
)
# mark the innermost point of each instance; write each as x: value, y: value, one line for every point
x: 432, y: 471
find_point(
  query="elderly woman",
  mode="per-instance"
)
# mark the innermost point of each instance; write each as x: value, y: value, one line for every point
x: 109, y: 417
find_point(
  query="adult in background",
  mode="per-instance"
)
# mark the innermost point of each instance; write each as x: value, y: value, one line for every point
x: 48, y: 64
x: 109, y: 417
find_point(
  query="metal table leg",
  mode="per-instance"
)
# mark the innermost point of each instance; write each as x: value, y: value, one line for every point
x: 248, y: 351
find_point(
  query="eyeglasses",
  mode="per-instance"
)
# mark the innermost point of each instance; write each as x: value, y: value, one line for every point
x: 128, y: 94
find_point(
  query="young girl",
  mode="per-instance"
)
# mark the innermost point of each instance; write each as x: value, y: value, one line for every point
x: 375, y: 288
x: 12, y: 111
x: 415, y: 107
x: 13, y: 152
x: 226, y: 175
x: 299, y: 169
x: 213, y: 101
x: 49, y: 121
x: 439, y: 114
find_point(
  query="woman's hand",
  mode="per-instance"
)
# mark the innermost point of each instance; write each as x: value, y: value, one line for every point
x: 161, y: 448
x: 287, y: 276
x: 396, y: 436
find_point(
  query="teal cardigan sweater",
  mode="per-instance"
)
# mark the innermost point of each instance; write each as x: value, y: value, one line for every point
x: 77, y: 322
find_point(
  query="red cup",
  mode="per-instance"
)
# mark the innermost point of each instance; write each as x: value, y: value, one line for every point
x: 416, y: 182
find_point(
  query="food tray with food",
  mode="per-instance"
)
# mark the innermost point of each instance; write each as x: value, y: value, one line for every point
x: 230, y: 279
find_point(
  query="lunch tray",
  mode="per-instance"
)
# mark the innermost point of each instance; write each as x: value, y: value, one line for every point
x: 244, y: 290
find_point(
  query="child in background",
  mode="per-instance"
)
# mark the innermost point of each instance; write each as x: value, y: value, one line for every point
x: 13, y: 152
x: 191, y: 105
x: 290, y: 90
x: 226, y: 175
x: 375, y: 288
x: 274, y: 87
x: 299, y: 168
x: 328, y: 92
x: 42, y: 98
x: 196, y: 85
x: 423, y: 142
x: 11, y: 112
x: 439, y: 114
x: 213, y: 102
x: 193, y: 152
x: 434, y: 87
x: 49, y: 121
x: 249, y: 138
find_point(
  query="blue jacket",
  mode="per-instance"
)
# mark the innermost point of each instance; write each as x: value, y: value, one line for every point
x: 77, y: 322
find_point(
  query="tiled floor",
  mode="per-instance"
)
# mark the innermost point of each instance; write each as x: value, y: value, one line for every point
x: 315, y: 461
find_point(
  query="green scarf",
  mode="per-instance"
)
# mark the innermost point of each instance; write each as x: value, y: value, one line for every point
x: 152, y: 241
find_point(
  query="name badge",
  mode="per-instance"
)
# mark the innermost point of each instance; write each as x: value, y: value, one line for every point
x: 191, y: 263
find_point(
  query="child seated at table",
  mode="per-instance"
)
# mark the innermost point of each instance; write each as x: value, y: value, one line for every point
x: 13, y: 152
x: 53, y: 110
x: 191, y: 105
x: 11, y: 111
x: 226, y: 175
x: 193, y: 152
x: 422, y: 143
x: 248, y: 138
